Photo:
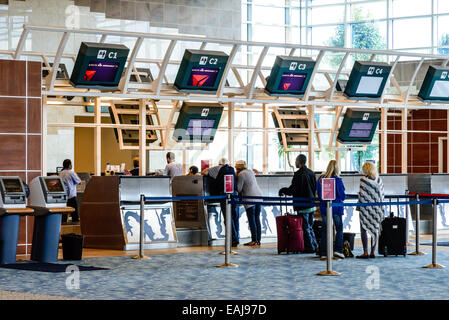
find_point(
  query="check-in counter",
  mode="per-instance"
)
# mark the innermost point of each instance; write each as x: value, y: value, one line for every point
x: 437, y: 183
x: 110, y: 221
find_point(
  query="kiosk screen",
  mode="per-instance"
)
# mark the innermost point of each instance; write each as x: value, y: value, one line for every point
x: 292, y: 81
x: 54, y: 185
x: 101, y: 71
x: 203, y: 77
x: 12, y: 186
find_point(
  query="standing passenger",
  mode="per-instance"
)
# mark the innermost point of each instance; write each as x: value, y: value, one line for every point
x: 332, y: 171
x: 70, y: 179
x: 304, y: 186
x: 247, y: 186
x: 172, y: 168
x: 371, y: 190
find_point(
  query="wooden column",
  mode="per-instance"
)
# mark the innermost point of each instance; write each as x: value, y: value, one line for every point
x: 185, y: 161
x: 383, y: 140
x: 142, y: 137
x: 97, y: 137
x: 231, y: 133
x: 265, y: 139
x: 404, y: 162
x: 311, y: 137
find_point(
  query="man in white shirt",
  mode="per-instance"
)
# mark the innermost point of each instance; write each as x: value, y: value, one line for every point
x: 172, y: 168
x: 70, y: 179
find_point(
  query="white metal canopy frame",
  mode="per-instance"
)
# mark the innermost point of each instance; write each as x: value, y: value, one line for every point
x: 244, y: 96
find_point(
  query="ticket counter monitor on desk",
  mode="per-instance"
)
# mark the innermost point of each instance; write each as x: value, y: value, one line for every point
x: 110, y: 213
x: 12, y: 206
x: 48, y: 198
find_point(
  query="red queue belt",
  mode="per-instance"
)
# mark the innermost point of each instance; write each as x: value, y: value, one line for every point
x: 429, y: 194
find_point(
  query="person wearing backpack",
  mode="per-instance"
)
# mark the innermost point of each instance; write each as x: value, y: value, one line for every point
x: 332, y: 171
x: 70, y: 180
x: 217, y: 174
x: 304, y: 186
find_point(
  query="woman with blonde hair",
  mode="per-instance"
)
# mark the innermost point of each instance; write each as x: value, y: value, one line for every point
x: 371, y: 190
x: 332, y: 171
x: 247, y: 186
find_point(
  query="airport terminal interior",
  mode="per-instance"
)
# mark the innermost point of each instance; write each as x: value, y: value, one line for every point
x: 199, y: 149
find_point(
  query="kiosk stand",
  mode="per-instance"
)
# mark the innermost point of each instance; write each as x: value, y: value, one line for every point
x: 48, y: 198
x: 12, y: 206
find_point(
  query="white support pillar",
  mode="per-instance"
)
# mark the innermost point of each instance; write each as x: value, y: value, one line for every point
x: 265, y: 139
x: 97, y: 137
x: 231, y: 133
x: 404, y: 162
x: 142, y: 138
x: 311, y: 145
x: 383, y: 140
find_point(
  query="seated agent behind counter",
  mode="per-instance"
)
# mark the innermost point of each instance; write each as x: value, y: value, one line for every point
x: 193, y: 171
x: 304, y: 186
x: 172, y: 168
x: 217, y: 174
x: 70, y: 179
x: 135, y: 171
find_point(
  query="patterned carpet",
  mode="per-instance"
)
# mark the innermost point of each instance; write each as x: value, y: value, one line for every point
x: 262, y: 274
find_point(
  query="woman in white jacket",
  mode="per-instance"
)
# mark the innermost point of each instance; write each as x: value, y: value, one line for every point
x: 247, y: 186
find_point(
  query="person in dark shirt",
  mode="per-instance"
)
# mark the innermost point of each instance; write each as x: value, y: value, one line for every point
x: 304, y: 186
x: 193, y: 171
x: 135, y: 171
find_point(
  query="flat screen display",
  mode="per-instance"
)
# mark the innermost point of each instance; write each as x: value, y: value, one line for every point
x: 369, y: 85
x: 361, y: 130
x: 12, y: 186
x: 200, y: 127
x: 101, y: 71
x: 292, y: 81
x: 203, y: 77
x: 54, y: 185
x: 440, y: 89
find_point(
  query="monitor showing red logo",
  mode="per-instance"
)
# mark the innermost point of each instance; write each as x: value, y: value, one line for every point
x: 101, y: 71
x: 292, y: 81
x: 203, y: 77
x: 229, y: 183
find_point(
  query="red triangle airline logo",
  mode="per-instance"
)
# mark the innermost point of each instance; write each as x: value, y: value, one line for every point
x: 286, y: 85
x: 199, y: 79
x: 89, y: 74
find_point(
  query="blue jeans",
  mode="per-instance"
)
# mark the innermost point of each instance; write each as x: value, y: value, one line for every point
x: 234, y: 220
x: 338, y: 222
x: 310, y: 243
x: 253, y: 215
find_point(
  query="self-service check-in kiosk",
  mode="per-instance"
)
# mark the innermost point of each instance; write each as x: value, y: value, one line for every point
x: 12, y: 206
x: 48, y: 198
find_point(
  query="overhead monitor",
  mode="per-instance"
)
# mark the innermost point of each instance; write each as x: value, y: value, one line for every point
x: 289, y: 76
x: 292, y: 138
x: 197, y: 122
x: 367, y: 80
x: 131, y: 136
x: 435, y: 87
x: 358, y: 126
x: 99, y: 66
x: 200, y: 71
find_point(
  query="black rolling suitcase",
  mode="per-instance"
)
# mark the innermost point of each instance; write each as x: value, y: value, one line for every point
x: 392, y: 240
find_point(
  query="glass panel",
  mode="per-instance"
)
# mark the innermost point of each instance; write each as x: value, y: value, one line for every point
x: 321, y: 2
x: 443, y: 35
x: 327, y: 15
x: 412, y: 33
x: 269, y: 15
x: 367, y: 11
x: 268, y: 33
x: 406, y: 8
x: 442, y: 6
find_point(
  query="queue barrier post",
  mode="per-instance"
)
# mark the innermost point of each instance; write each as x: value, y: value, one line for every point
x: 141, y: 254
x: 417, y: 252
x: 228, y: 236
x: 330, y: 243
x: 434, y: 264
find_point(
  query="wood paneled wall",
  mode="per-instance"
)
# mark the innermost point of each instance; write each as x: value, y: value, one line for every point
x: 21, y: 130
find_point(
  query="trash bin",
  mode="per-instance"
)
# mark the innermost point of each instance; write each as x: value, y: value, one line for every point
x: 350, y: 237
x: 72, y: 246
x: 9, y: 234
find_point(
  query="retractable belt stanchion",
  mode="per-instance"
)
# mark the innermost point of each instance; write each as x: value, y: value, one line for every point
x: 434, y: 264
x: 330, y: 242
x: 228, y: 235
x: 417, y: 229
x: 141, y: 254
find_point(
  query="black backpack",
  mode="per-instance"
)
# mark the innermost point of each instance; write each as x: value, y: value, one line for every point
x: 217, y: 184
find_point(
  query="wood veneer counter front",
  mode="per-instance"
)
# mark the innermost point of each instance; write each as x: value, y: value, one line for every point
x: 40, y: 211
x: 100, y: 220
